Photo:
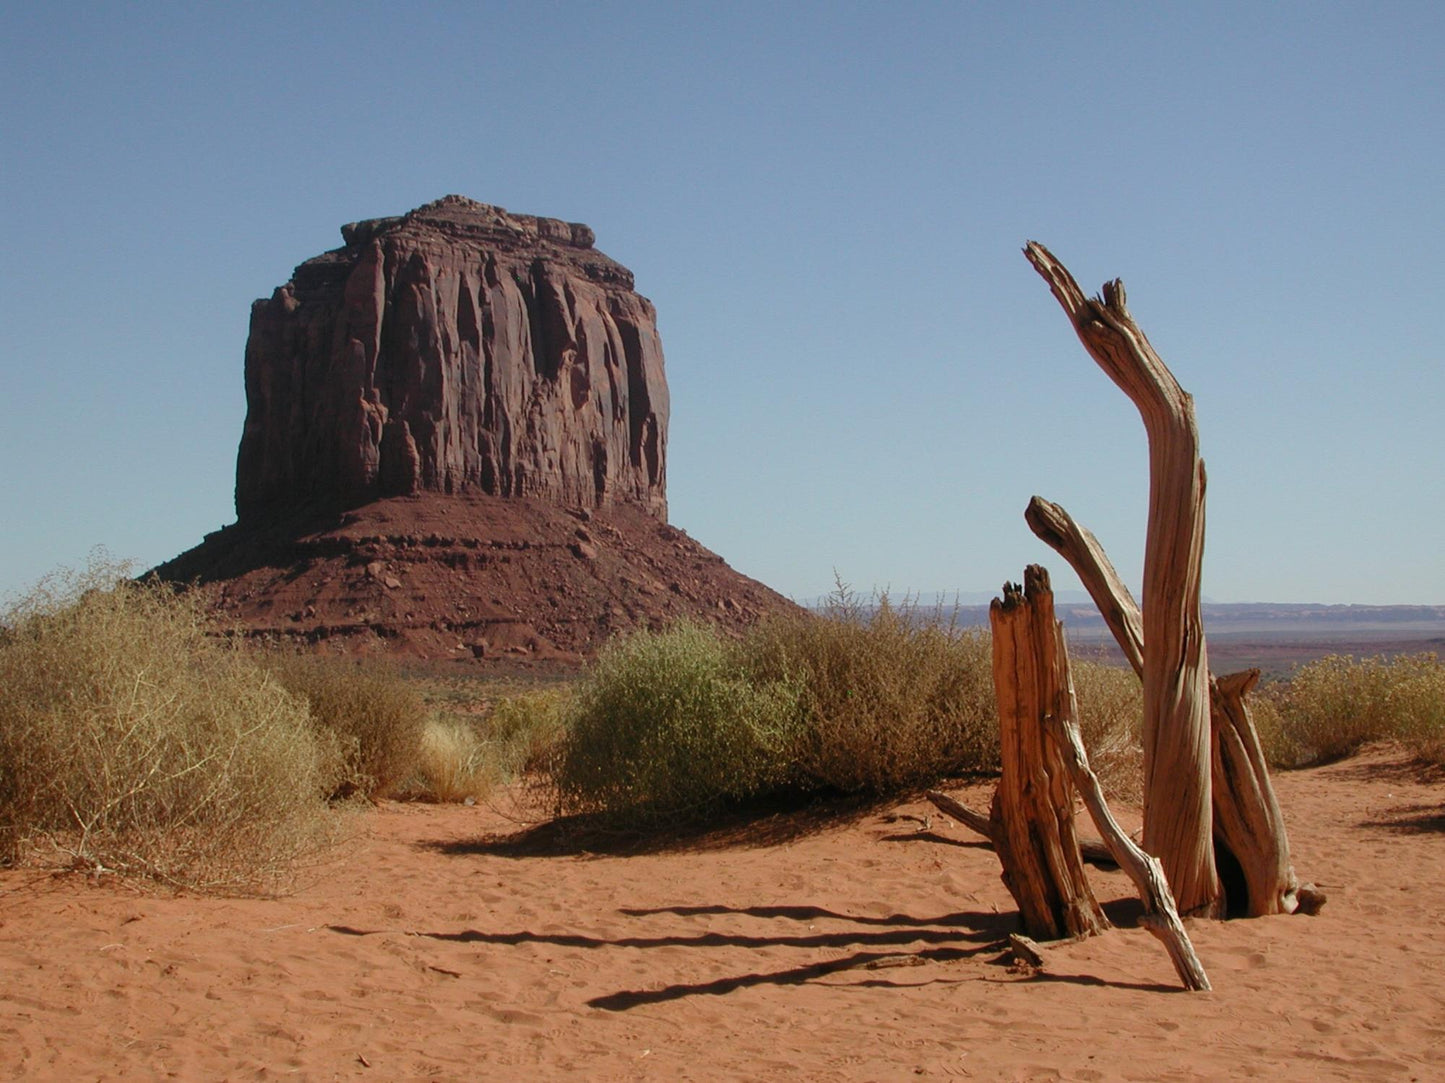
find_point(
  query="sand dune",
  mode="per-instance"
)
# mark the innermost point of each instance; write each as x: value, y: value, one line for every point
x: 445, y: 944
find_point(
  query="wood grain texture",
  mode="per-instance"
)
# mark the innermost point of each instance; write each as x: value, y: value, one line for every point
x: 1177, y: 797
x: 1032, y: 820
x: 1161, y: 917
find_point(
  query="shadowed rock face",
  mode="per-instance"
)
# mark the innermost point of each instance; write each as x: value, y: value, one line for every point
x: 457, y: 347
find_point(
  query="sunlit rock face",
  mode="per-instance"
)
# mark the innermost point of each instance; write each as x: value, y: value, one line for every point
x: 454, y: 348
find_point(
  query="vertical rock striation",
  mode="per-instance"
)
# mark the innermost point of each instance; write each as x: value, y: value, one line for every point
x: 457, y: 347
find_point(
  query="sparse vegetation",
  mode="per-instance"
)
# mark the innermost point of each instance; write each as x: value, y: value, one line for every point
x: 1111, y: 721
x: 374, y: 718
x: 891, y: 698
x: 1333, y: 706
x: 466, y: 755
x: 868, y: 697
x: 131, y: 741
x: 669, y: 724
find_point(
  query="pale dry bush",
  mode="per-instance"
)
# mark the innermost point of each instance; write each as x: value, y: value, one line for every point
x: 1111, y: 722
x: 133, y: 742
x: 452, y: 764
x: 893, y: 697
x: 366, y: 709
x: 1333, y: 706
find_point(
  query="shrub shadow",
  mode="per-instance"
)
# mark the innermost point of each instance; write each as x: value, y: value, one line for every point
x: 1410, y: 819
x: 767, y: 823
x: 1403, y: 766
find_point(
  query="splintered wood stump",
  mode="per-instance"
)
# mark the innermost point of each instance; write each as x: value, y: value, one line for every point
x: 1251, y: 844
x: 1032, y: 820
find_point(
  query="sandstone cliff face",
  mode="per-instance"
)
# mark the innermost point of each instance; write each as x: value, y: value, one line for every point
x: 457, y: 347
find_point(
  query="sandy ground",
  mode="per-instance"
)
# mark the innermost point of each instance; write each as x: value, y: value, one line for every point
x: 446, y: 946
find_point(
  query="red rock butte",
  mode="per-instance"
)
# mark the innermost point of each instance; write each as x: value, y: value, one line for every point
x: 455, y: 447
x: 455, y: 348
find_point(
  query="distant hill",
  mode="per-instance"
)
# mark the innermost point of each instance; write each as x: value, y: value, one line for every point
x: 1273, y: 636
x: 1078, y: 612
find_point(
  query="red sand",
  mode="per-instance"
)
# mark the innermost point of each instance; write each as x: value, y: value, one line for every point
x: 422, y: 955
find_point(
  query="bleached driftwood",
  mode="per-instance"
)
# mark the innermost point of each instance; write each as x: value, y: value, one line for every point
x: 1057, y: 529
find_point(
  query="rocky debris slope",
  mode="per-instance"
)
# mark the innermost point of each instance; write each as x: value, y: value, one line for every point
x: 466, y: 577
x: 455, y: 348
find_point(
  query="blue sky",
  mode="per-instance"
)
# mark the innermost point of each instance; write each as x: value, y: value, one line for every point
x: 826, y: 202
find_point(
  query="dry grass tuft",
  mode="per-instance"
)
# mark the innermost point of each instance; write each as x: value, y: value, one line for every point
x: 1111, y: 721
x: 464, y: 756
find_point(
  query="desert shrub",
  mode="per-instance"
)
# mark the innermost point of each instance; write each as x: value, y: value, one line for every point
x: 374, y: 717
x: 1332, y: 706
x: 525, y: 731
x: 464, y: 756
x: 132, y: 741
x: 1275, y: 742
x: 1111, y: 722
x: 892, y: 697
x: 669, y: 724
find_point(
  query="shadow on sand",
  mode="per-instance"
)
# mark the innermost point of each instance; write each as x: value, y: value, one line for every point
x: 873, y: 944
x: 759, y: 824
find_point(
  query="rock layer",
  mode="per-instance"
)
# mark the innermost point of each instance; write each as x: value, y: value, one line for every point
x: 455, y: 348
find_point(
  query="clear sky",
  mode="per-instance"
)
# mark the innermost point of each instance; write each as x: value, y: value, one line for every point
x: 826, y: 202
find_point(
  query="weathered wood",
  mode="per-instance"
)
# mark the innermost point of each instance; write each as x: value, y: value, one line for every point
x: 1309, y: 899
x: 1177, y: 799
x: 971, y: 819
x: 1161, y: 917
x: 1093, y: 851
x: 1247, y: 817
x: 1026, y: 952
x: 1057, y: 529
x: 1247, y: 821
x: 1032, y: 819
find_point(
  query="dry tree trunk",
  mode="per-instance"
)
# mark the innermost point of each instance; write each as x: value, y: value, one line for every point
x: 1249, y: 828
x: 1248, y: 823
x: 1249, y: 833
x: 1161, y: 918
x: 1032, y: 821
x: 1093, y: 851
x: 1177, y: 798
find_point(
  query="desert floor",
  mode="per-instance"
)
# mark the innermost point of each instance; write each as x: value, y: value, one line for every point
x: 447, y: 943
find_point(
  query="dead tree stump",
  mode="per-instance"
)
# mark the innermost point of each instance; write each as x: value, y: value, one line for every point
x: 1206, y: 785
x: 1177, y: 814
x: 1161, y: 917
x: 1032, y: 820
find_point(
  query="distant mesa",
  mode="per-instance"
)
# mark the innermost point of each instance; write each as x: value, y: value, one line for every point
x: 455, y: 446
